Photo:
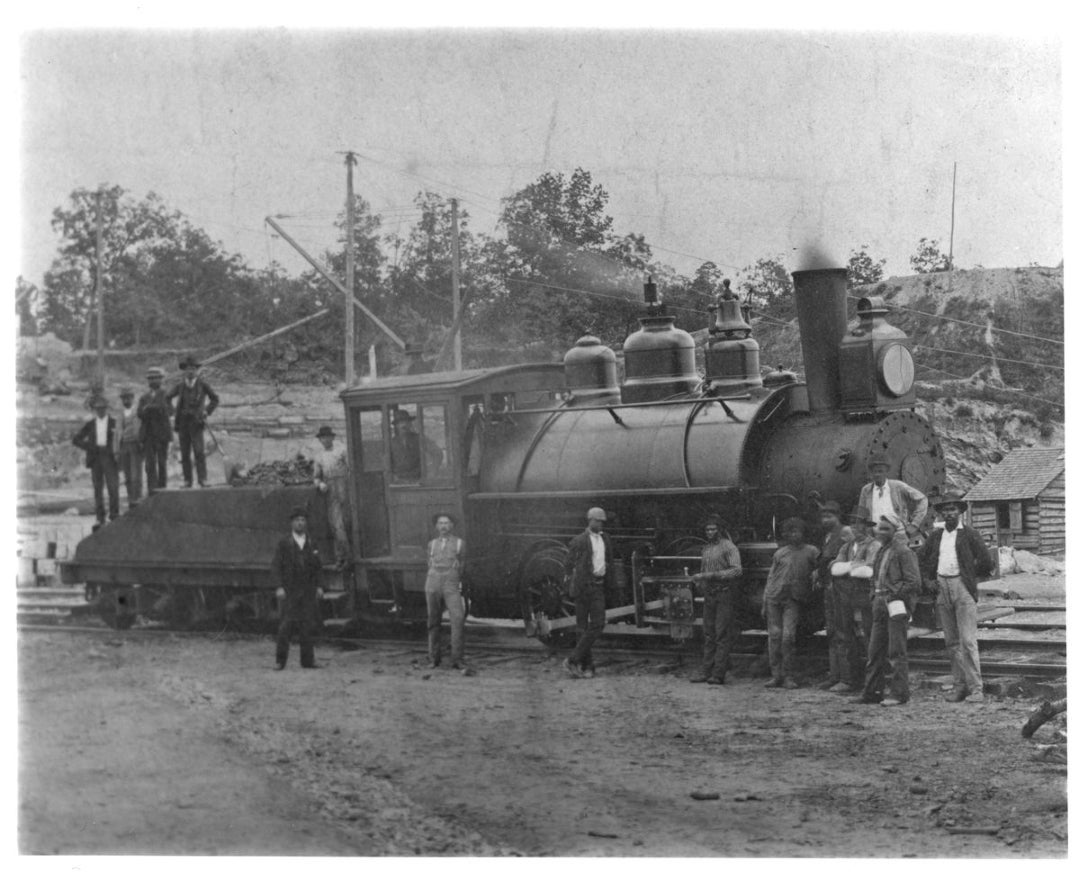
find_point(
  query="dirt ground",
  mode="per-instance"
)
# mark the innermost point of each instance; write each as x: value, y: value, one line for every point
x: 137, y: 744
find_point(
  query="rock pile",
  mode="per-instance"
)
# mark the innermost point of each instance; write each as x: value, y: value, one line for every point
x: 298, y: 470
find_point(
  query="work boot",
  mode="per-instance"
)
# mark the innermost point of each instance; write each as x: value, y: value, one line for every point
x: 977, y: 696
x: 588, y: 672
x: 840, y: 687
x: 790, y: 684
x: 892, y: 700
x: 714, y: 680
x: 775, y: 681
x: 828, y: 684
x: 699, y: 678
x: 573, y: 669
x: 956, y: 695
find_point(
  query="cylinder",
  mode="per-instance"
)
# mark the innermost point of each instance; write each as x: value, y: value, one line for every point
x: 821, y: 304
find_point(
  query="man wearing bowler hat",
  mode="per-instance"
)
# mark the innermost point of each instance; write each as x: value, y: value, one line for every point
x: 332, y: 479
x: 955, y: 557
x: 590, y: 561
x: 903, y: 505
x: 295, y: 573
x: 195, y: 402
x: 98, y: 438
x: 154, y: 410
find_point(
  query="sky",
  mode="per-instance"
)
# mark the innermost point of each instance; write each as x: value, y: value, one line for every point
x: 721, y: 145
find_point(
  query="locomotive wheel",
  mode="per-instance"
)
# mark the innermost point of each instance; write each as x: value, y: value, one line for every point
x: 544, y: 593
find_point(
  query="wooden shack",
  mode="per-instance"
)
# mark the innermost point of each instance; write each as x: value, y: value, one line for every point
x: 1021, y: 501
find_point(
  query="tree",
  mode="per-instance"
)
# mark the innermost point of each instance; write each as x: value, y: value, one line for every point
x: 562, y: 270
x: 928, y: 257
x: 863, y: 269
x: 766, y: 285
x: 163, y: 278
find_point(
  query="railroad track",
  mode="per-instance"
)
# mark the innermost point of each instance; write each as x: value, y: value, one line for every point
x: 493, y: 642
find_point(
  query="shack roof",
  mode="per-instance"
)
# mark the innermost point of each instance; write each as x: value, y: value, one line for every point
x: 1021, y: 475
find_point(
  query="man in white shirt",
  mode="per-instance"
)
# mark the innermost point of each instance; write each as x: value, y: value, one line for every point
x: 130, y: 455
x: 332, y: 479
x: 590, y: 564
x: 884, y: 497
x: 98, y: 438
x: 953, y: 558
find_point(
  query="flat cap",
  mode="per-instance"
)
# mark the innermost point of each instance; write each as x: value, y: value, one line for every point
x: 155, y: 372
x: 596, y: 514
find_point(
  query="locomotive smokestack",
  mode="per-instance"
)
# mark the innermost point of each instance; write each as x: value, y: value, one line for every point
x: 821, y: 304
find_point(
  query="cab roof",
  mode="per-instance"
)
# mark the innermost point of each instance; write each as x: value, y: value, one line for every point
x: 455, y: 381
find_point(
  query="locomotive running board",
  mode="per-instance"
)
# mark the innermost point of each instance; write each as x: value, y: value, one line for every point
x: 546, y: 625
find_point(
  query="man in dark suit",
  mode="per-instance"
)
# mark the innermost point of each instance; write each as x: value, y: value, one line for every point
x: 98, y: 439
x: 591, y: 565
x: 154, y: 410
x: 954, y: 559
x: 896, y: 584
x: 295, y: 572
x: 195, y: 402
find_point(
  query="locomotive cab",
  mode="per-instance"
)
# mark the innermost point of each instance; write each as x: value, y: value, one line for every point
x: 415, y: 444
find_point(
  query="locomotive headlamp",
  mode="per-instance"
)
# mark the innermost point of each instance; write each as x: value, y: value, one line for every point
x: 896, y: 369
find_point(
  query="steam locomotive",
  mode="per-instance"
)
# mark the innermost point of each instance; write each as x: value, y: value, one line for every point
x: 518, y: 454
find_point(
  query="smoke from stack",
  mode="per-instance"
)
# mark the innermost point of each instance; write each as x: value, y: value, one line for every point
x: 812, y: 255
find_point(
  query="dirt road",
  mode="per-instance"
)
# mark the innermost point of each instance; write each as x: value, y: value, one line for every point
x: 181, y: 745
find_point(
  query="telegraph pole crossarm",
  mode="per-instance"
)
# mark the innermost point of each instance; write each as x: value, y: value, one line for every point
x: 321, y: 270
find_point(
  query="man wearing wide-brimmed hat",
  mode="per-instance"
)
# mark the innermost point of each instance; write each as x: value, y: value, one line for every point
x: 852, y: 572
x: 955, y: 557
x: 195, y: 402
x: 903, y: 505
x: 154, y: 410
x: 332, y: 478
x: 98, y: 438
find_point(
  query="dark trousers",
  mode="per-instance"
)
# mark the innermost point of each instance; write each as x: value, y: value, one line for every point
x: 782, y: 618
x: 304, y: 628
x: 104, y: 475
x: 719, y: 626
x: 589, y: 609
x: 854, y: 618
x: 191, y: 441
x: 157, y: 456
x: 888, y: 641
x: 131, y: 465
x: 830, y: 633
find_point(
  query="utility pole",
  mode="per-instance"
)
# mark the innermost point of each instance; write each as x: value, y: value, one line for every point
x: 99, y: 294
x: 952, y: 222
x: 350, y: 271
x: 455, y: 269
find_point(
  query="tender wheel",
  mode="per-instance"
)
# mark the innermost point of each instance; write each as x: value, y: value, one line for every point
x: 544, y: 594
x: 117, y: 607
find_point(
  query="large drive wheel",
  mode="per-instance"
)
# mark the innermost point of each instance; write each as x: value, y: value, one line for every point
x: 545, y: 595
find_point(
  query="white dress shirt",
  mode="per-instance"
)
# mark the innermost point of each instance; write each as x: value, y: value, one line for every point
x: 947, y: 564
x: 101, y: 431
x: 599, y: 566
x: 881, y: 504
